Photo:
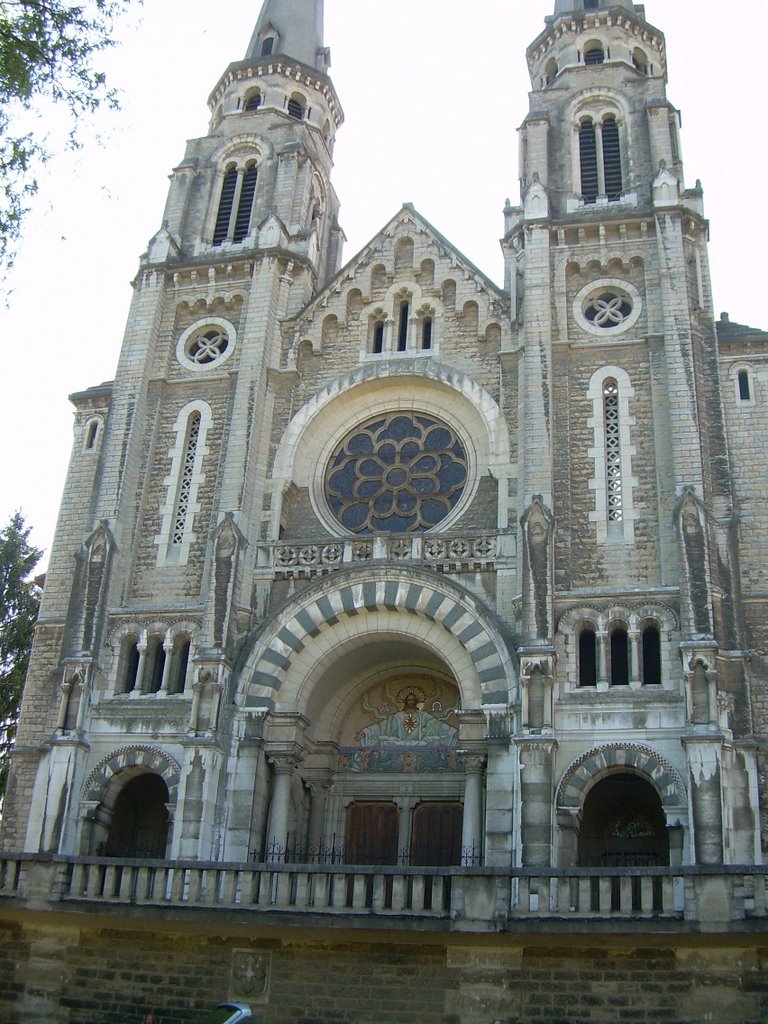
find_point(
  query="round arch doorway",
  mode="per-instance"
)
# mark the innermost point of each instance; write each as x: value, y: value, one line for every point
x: 139, y: 825
x: 623, y: 824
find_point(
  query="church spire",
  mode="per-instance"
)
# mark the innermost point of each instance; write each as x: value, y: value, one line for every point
x: 293, y: 28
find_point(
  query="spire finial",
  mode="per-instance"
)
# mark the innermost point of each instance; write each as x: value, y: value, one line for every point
x: 293, y: 28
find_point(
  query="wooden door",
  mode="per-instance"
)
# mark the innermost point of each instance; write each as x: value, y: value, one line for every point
x: 436, y: 839
x: 372, y: 833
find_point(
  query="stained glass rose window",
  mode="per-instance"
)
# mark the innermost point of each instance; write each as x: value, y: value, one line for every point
x: 399, y: 473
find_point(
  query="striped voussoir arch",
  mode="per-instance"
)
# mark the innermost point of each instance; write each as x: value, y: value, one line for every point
x: 151, y: 758
x: 457, y: 612
x: 593, y: 765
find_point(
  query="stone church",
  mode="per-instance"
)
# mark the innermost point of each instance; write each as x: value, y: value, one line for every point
x: 402, y: 651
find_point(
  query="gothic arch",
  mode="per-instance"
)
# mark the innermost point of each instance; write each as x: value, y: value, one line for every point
x: 149, y: 758
x: 588, y: 769
x: 434, y: 612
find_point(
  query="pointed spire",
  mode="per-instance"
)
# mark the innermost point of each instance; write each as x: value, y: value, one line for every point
x: 293, y: 28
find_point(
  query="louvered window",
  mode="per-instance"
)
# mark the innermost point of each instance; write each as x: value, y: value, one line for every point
x: 245, y: 205
x: 295, y: 109
x: 228, y: 188
x: 613, y: 451
x: 595, y: 55
x: 611, y: 158
x: 588, y: 161
x: 253, y: 102
x: 185, y: 482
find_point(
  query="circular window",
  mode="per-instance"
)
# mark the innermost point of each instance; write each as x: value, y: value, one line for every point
x: 607, y: 307
x: 206, y: 344
x: 399, y: 473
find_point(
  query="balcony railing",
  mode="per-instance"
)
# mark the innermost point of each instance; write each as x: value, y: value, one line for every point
x: 449, y: 553
x: 460, y: 898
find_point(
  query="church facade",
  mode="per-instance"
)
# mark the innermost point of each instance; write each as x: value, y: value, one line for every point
x: 417, y: 619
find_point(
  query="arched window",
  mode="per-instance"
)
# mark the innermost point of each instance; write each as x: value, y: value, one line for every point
x: 550, y: 73
x: 611, y: 157
x: 253, y: 101
x: 587, y: 658
x: 594, y: 55
x: 128, y: 669
x: 742, y: 384
x: 600, y: 159
x: 619, y: 657
x: 651, y: 656
x: 155, y: 666
x: 183, y: 483
x: 179, y: 663
x: 402, y: 329
x: 296, y: 108
x: 92, y: 432
x: 588, y: 160
x: 426, y: 332
x: 613, y: 483
x: 226, y: 200
x: 378, y: 337
x: 267, y: 46
x: 233, y: 218
x: 613, y: 474
x: 640, y: 60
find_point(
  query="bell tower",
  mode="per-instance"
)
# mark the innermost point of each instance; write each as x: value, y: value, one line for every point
x: 624, y: 433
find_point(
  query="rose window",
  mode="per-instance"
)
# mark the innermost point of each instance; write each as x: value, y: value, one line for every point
x: 400, y: 473
x: 608, y: 309
x: 207, y: 345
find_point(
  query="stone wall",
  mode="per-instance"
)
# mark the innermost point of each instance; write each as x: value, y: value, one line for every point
x: 114, y: 975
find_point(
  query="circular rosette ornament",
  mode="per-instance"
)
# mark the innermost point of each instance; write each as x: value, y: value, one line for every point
x: 400, y: 473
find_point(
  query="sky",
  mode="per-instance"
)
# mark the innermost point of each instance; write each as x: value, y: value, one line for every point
x: 433, y: 92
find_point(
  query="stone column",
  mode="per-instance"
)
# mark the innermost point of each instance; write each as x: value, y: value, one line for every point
x: 635, y: 681
x: 283, y: 767
x: 168, y: 649
x: 536, y: 764
x: 601, y: 638
x: 472, y: 821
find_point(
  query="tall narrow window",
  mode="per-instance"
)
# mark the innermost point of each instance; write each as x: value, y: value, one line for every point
x: 619, y: 658
x: 185, y: 483
x: 587, y: 658
x: 378, y: 337
x: 613, y: 483
x: 588, y: 160
x: 651, y: 653
x: 245, y: 205
x: 426, y: 332
x: 153, y: 673
x: 742, y: 380
x: 228, y: 188
x: 129, y: 664
x: 402, y: 332
x: 180, y: 663
x: 611, y: 158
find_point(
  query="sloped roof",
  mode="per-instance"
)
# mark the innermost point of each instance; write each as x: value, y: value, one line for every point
x: 729, y: 331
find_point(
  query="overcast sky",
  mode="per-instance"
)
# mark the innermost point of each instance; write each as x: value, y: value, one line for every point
x: 433, y: 92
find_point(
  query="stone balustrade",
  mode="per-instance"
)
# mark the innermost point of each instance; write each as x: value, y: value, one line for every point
x: 450, y: 553
x: 472, y: 899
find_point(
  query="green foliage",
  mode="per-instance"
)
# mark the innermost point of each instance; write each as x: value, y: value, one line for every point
x: 19, y: 603
x: 47, y: 52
